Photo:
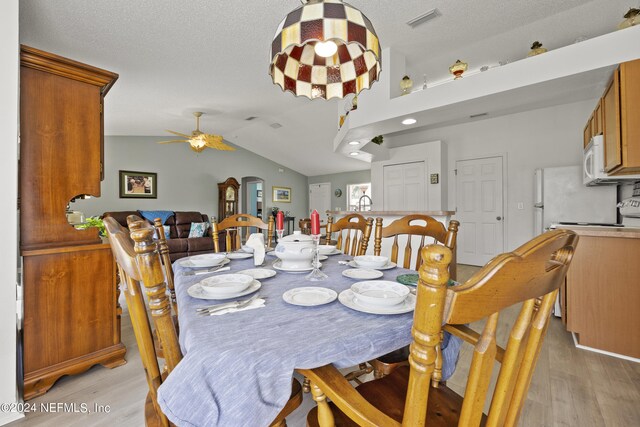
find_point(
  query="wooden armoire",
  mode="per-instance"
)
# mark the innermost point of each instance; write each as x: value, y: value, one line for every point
x: 71, y: 311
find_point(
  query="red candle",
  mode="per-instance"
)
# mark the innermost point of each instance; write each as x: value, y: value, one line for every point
x: 315, y: 223
x: 280, y: 221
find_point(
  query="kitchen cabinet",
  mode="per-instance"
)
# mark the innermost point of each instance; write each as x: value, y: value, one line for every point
x: 71, y: 311
x: 602, y: 291
x: 621, y: 123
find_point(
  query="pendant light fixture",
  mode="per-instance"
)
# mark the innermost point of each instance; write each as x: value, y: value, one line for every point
x: 325, y: 49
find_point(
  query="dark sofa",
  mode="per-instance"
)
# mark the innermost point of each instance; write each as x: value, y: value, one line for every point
x: 180, y: 245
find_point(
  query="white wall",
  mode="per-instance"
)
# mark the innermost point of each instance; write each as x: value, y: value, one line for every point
x: 9, y: 72
x: 534, y: 139
x: 187, y: 180
x: 340, y: 181
x: 433, y: 154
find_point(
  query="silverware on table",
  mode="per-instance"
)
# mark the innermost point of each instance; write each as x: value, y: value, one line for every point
x: 217, y: 307
x: 208, y: 270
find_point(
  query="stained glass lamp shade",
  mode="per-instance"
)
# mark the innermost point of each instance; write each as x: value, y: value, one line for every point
x: 325, y: 49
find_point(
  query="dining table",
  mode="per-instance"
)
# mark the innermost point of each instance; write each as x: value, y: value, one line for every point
x: 237, y: 367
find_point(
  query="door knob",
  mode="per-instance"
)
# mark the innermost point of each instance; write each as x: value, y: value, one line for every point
x: 498, y: 218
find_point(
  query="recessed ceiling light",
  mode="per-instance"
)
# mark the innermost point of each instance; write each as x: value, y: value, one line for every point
x: 473, y: 116
x: 354, y: 143
x: 275, y: 125
x: 409, y: 121
x: 353, y: 153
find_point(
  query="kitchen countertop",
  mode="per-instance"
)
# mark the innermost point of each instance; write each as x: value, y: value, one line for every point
x: 598, y: 231
x: 395, y: 213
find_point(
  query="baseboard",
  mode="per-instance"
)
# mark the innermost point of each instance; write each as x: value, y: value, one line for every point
x: 608, y: 353
x: 7, y: 417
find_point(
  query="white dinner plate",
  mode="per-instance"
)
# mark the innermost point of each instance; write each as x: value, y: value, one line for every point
x: 334, y: 252
x: 185, y: 262
x: 309, y: 296
x: 278, y: 266
x: 362, y: 274
x: 322, y: 257
x: 238, y: 255
x: 259, y: 273
x: 348, y: 299
x: 196, y: 291
x: 389, y: 265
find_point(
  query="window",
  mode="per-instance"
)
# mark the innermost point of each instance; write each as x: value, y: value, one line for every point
x: 359, y: 197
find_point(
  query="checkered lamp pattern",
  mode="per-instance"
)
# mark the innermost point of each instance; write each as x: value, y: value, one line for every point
x: 295, y: 66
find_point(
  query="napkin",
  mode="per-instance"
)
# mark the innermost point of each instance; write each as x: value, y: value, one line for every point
x: 256, y: 242
x: 257, y: 303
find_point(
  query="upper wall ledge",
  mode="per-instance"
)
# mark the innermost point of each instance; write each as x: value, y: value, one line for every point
x: 568, y: 71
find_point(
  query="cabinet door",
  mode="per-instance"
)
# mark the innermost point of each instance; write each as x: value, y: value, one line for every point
x: 611, y: 116
x: 597, y: 117
x: 630, y: 116
x: 587, y: 134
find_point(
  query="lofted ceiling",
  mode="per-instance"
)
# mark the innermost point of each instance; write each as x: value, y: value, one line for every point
x: 179, y: 56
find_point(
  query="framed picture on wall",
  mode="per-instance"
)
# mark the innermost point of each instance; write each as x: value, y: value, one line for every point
x: 259, y: 194
x: 282, y: 194
x: 138, y: 185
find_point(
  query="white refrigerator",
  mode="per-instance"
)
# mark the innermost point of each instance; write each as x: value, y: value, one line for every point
x: 560, y: 196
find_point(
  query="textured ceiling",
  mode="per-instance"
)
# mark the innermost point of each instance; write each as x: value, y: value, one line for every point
x: 179, y: 56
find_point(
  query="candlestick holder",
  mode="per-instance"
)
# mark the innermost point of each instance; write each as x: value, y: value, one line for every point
x: 316, y: 274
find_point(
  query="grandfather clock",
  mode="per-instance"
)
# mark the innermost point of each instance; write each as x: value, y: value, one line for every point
x: 228, y: 196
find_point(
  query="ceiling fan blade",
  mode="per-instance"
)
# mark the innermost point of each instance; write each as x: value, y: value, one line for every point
x: 171, y: 141
x: 179, y: 134
x: 216, y: 142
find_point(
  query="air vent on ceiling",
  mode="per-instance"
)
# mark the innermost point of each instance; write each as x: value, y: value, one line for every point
x: 275, y: 125
x: 251, y: 118
x: 421, y: 19
x: 473, y: 116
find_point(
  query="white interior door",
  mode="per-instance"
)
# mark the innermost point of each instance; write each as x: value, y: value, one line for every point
x: 479, y: 210
x: 320, y: 199
x: 404, y: 187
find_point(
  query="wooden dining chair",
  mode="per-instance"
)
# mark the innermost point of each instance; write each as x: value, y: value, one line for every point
x: 422, y: 226
x: 139, y: 262
x: 305, y: 226
x: 530, y: 276
x: 353, y: 231
x: 235, y: 226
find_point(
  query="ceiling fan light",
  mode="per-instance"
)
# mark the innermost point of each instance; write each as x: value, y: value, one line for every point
x: 298, y: 61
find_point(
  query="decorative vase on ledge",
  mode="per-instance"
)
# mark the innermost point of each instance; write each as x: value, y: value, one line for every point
x: 632, y: 18
x: 536, y: 49
x: 458, y: 68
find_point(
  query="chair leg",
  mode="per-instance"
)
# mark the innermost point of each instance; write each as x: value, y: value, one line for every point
x: 325, y: 416
x: 281, y: 423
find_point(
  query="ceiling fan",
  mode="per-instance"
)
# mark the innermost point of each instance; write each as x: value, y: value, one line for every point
x: 198, y: 140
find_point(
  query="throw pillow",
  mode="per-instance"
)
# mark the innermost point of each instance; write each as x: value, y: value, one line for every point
x: 167, y: 232
x: 198, y: 229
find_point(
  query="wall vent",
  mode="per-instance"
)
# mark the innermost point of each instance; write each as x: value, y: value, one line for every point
x: 421, y: 19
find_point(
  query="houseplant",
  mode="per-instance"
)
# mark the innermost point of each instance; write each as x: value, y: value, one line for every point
x: 94, y: 221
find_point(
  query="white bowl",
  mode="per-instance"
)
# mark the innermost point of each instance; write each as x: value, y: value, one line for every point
x: 326, y: 249
x: 206, y: 260
x: 226, y: 284
x: 371, y: 261
x: 381, y: 293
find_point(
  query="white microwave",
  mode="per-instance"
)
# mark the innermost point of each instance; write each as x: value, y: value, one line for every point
x: 593, y: 170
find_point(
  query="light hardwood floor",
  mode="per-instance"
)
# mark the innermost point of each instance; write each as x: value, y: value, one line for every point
x: 571, y: 387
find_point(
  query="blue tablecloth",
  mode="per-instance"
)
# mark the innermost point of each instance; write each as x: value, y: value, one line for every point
x: 237, y: 367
